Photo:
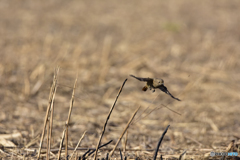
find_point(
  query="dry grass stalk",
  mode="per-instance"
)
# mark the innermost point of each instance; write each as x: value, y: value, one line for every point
x: 76, y: 157
x: 48, y: 130
x: 194, y: 140
x: 12, y: 135
x: 109, y: 114
x: 4, y: 154
x: 91, y: 151
x: 80, y: 140
x: 145, y: 110
x: 51, y: 96
x: 50, y: 126
x: 140, y: 117
x: 105, y: 58
x: 159, y: 143
x: 68, y: 120
x: 181, y: 155
x: 127, y: 126
x: 125, y: 142
x: 230, y: 146
x: 171, y: 110
x: 120, y: 154
x: 33, y: 141
x: 154, y: 109
x: 61, y: 144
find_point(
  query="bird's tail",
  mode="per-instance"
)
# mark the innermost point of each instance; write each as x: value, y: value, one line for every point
x: 144, y: 88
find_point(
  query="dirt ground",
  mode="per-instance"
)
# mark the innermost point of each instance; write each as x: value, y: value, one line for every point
x: 192, y: 45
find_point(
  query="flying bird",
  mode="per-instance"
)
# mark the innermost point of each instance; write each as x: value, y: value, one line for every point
x: 154, y: 83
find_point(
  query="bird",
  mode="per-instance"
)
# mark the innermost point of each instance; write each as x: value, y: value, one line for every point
x: 155, y: 83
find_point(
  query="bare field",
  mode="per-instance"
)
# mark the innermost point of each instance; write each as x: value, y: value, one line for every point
x: 193, y: 45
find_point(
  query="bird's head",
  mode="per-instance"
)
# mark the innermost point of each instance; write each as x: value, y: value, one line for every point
x: 158, y: 82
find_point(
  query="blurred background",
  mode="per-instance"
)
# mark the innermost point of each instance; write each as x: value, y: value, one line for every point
x: 192, y: 45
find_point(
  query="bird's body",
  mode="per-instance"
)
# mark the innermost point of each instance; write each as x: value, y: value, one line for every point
x: 154, y: 83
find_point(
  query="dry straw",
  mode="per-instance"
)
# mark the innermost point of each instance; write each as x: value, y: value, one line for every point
x: 68, y: 119
x: 50, y: 106
x: 109, y: 114
x: 124, y: 131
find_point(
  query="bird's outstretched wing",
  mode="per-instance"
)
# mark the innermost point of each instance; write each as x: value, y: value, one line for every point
x: 164, y: 89
x: 142, y: 79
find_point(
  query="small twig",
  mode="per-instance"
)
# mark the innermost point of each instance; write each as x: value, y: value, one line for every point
x: 80, y: 140
x: 68, y: 120
x: 109, y: 114
x: 230, y: 146
x: 154, y: 109
x: 95, y: 149
x: 61, y: 144
x: 194, y: 140
x: 50, y: 123
x: 33, y: 141
x: 125, y: 142
x: 128, y: 124
x: 107, y: 156
x: 48, y: 150
x: 52, y: 92
x: 140, y: 116
x: 84, y: 155
x: 101, y: 147
x: 76, y: 156
x: 120, y: 154
x: 5, y: 153
x: 159, y: 143
x: 171, y: 109
x: 181, y: 155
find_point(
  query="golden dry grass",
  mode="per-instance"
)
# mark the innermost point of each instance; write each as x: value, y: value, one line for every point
x: 192, y: 45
